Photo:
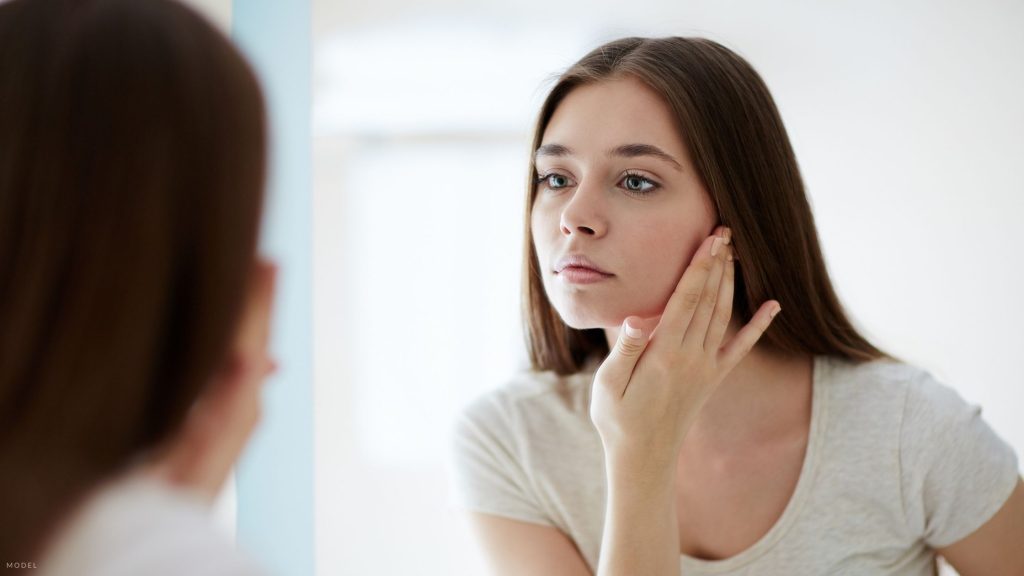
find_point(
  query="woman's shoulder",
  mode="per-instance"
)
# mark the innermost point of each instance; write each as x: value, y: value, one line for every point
x: 926, y: 414
x: 867, y: 405
x: 533, y: 393
x: 516, y: 447
x: 879, y: 372
x: 141, y: 525
x: 891, y: 382
x: 954, y: 471
x: 875, y: 384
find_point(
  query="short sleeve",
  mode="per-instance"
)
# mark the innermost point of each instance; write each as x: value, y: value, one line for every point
x: 956, y: 473
x: 486, y: 469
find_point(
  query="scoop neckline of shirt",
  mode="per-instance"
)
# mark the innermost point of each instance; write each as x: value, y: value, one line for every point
x: 796, y: 501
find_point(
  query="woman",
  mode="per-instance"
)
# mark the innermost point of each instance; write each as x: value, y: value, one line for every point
x: 133, y: 308
x: 667, y: 225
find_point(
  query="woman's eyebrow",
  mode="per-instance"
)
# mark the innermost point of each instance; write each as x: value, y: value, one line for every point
x: 552, y: 150
x: 625, y: 151
x: 635, y: 150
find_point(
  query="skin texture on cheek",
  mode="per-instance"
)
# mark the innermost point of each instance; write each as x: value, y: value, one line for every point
x: 663, y: 249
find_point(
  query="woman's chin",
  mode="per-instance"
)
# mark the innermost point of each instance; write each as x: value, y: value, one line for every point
x: 605, y: 319
x: 592, y: 321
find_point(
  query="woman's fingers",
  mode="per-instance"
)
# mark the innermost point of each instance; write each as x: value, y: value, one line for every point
x: 696, y: 332
x: 744, y: 340
x: 254, y: 328
x: 723, y: 308
x: 250, y: 349
x: 686, y: 297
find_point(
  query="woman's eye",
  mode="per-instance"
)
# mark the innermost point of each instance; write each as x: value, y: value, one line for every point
x: 638, y: 184
x: 555, y: 181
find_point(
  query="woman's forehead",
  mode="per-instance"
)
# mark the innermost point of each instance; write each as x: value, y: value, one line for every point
x: 602, y: 116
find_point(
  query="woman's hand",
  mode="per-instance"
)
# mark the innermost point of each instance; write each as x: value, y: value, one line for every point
x: 648, y: 391
x: 218, y: 427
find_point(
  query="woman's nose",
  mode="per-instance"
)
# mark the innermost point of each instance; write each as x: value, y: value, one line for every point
x: 584, y: 214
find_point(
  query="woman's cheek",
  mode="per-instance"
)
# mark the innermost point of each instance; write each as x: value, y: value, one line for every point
x: 664, y: 258
x: 543, y: 226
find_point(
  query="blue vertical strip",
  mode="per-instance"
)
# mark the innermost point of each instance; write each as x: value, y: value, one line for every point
x: 275, y: 475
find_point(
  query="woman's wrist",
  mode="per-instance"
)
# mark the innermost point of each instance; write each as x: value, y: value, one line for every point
x: 641, y: 532
x: 640, y: 468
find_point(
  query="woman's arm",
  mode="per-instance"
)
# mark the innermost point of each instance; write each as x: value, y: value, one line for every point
x: 515, y: 548
x: 997, y: 548
x: 641, y: 531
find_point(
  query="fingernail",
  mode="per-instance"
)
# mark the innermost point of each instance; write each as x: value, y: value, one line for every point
x: 728, y: 234
x: 776, y: 311
x: 633, y: 332
x: 715, y: 245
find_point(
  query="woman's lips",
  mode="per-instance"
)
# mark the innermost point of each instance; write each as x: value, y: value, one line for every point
x: 578, y: 269
x: 581, y: 275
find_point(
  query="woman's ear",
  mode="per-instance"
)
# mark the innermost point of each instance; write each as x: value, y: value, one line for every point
x: 218, y: 427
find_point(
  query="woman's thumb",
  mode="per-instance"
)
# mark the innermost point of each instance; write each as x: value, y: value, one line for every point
x: 622, y: 358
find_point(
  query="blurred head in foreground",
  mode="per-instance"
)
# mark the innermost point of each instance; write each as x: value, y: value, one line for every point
x: 132, y: 155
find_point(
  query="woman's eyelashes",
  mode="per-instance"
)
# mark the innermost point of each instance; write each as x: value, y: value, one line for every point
x: 554, y: 181
x: 632, y: 182
x: 638, y: 184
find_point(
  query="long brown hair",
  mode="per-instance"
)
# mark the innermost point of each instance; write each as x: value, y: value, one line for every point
x: 739, y: 146
x: 131, y: 186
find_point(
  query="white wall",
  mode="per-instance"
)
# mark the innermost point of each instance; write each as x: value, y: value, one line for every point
x: 906, y: 122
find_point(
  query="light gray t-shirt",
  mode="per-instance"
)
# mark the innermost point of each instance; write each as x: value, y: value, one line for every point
x: 138, y: 525
x: 896, y: 465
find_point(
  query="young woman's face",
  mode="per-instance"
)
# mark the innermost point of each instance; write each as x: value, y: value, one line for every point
x: 619, y: 210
